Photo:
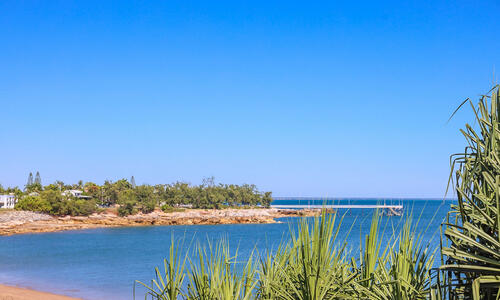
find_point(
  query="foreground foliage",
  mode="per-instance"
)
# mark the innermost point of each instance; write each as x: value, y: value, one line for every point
x: 314, y: 264
x: 472, y: 246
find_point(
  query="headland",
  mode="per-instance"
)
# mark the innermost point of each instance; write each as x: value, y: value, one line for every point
x: 21, y: 222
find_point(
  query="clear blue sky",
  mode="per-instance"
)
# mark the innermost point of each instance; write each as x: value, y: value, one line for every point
x: 340, y: 99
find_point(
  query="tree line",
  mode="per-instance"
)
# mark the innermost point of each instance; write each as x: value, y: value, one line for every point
x: 131, y: 198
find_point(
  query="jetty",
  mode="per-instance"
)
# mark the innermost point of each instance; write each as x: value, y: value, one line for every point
x: 386, y: 209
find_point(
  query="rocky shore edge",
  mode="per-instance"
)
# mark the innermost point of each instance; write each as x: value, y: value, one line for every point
x: 20, y: 222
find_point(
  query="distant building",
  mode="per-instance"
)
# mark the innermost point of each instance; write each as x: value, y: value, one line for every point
x: 7, y: 201
x: 75, y: 193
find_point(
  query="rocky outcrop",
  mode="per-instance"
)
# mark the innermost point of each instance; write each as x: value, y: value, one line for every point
x: 12, y: 218
x: 17, y: 222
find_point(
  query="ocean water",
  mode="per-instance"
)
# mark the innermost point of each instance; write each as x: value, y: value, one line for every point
x: 104, y: 263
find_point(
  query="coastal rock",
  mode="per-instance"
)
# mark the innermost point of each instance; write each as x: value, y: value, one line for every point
x: 20, y: 217
x: 17, y: 222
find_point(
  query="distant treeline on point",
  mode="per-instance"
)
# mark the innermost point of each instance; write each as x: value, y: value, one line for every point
x: 60, y: 199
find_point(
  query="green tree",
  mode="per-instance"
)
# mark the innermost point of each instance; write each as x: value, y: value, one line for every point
x: 38, y: 179
x: 53, y: 187
x: 92, y: 189
x: 55, y: 200
x: 127, y: 200
x: 267, y: 199
x: 112, y: 191
x: 61, y: 185
x: 146, y: 197
x: 178, y: 193
x: 30, y: 179
x: 127, y: 196
x: 35, y: 187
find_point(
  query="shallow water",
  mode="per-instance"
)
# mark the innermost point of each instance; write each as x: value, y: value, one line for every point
x: 104, y: 263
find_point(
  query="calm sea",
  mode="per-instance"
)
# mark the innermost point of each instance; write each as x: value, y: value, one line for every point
x: 104, y: 263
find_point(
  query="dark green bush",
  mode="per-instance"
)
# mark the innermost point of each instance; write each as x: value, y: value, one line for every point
x: 126, y: 209
x: 78, y: 207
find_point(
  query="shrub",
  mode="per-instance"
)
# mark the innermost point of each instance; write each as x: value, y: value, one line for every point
x: 168, y: 209
x: 52, y: 202
x: 126, y: 209
x: 55, y: 200
x: 148, y: 206
x: 33, y: 203
x: 78, y: 207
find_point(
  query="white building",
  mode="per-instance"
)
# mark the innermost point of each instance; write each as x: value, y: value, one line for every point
x: 75, y: 193
x: 7, y: 201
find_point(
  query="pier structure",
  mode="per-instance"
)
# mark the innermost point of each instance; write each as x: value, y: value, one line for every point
x: 389, y: 209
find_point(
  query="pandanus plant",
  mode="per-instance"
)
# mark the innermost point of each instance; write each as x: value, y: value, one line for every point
x: 312, y: 265
x: 399, y: 270
x: 471, y: 251
x: 214, y: 274
x: 168, y: 284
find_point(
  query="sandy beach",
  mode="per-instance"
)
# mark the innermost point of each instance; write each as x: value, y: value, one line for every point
x: 17, y: 293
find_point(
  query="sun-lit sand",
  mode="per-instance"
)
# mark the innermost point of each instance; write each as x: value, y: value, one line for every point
x: 17, y: 293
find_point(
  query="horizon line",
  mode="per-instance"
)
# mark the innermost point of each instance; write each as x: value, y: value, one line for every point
x: 359, y: 198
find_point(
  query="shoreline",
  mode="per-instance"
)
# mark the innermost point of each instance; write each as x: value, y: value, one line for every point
x: 9, y: 292
x: 23, y: 222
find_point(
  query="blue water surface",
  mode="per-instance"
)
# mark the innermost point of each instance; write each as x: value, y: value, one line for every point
x: 104, y: 263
